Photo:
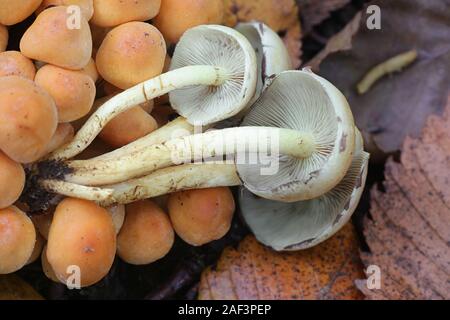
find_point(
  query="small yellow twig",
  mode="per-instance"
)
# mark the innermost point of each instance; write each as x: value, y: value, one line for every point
x: 394, y: 64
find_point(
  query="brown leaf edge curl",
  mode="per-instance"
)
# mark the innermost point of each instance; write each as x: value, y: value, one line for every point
x: 253, y: 271
x: 409, y: 233
x: 280, y: 15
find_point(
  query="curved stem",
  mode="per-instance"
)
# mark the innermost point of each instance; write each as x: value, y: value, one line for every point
x: 173, y: 179
x: 236, y: 142
x: 177, y: 128
x: 145, y: 91
x: 77, y: 191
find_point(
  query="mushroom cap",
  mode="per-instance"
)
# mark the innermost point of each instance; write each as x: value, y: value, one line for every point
x: 73, y: 91
x: 82, y: 234
x: 86, y: 6
x: 307, y: 103
x: 131, y: 53
x: 271, y: 53
x: 15, y: 11
x: 216, y: 46
x: 39, y: 245
x: 28, y: 121
x: 201, y: 216
x: 17, y: 238
x: 147, y: 234
x: 111, y: 13
x: 13, y: 63
x: 177, y: 16
x: 4, y: 36
x: 304, y: 224
x: 49, y: 40
x: 128, y: 127
x: 12, y: 180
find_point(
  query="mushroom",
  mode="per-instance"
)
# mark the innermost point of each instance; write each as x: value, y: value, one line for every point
x: 12, y: 181
x: 304, y: 224
x: 47, y: 268
x: 63, y: 134
x: 49, y: 40
x: 42, y: 222
x: 131, y: 53
x: 272, y: 57
x: 39, y: 245
x: 13, y: 12
x: 86, y: 6
x: 28, y: 121
x: 111, y: 13
x: 82, y: 234
x: 13, y: 63
x: 216, y: 67
x: 128, y: 127
x: 315, y: 148
x: 91, y: 70
x: 301, y: 114
x: 147, y: 234
x: 3, y: 38
x: 177, y: 16
x: 73, y: 91
x: 203, y: 215
x: 17, y: 238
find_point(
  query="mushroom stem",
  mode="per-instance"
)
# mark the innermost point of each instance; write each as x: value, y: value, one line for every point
x: 143, y: 92
x: 76, y: 191
x: 177, y: 128
x: 227, y: 142
x: 169, y: 180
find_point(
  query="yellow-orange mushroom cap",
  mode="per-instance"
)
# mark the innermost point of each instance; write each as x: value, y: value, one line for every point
x: 73, y: 91
x: 50, y: 40
x: 130, y: 54
x: 86, y: 6
x: 128, y: 127
x: 17, y: 238
x: 201, y: 216
x: 82, y: 234
x: 147, y: 234
x: 15, y: 11
x: 3, y: 38
x: 29, y: 119
x: 111, y: 13
x: 177, y: 16
x: 12, y: 180
x: 13, y: 63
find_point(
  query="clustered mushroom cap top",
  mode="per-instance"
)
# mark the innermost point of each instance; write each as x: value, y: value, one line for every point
x: 304, y: 224
x: 309, y: 104
x: 271, y: 53
x: 218, y: 46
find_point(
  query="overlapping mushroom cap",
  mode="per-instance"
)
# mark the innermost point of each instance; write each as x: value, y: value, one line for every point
x: 309, y: 104
x: 222, y: 47
x: 271, y: 53
x: 304, y: 224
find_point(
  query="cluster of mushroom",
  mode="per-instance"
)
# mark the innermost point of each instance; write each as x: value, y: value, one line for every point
x: 235, y: 84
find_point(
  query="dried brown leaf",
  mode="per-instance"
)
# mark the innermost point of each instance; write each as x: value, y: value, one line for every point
x: 313, y: 12
x: 280, y: 15
x: 253, y: 271
x: 409, y: 233
x: 397, y: 105
x: 14, y: 288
